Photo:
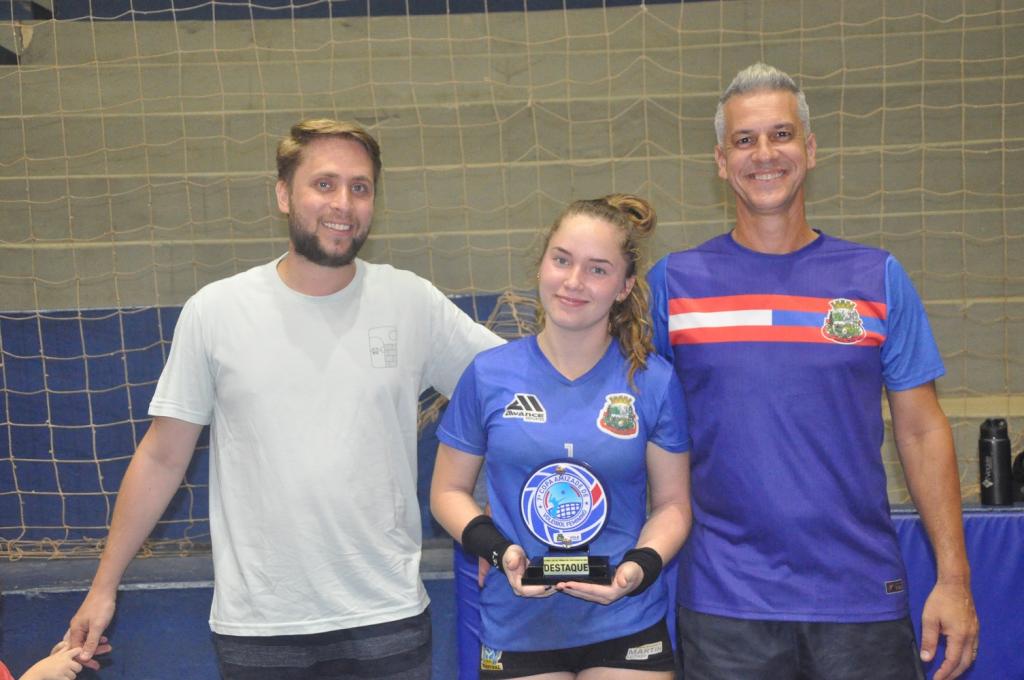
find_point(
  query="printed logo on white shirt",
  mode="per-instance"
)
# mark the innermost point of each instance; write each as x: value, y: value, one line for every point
x: 526, y: 407
x: 384, y: 347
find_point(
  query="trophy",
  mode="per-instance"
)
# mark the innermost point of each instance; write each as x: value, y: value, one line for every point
x: 564, y: 506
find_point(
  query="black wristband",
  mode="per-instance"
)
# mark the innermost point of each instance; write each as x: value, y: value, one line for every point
x: 482, y: 538
x: 651, y: 564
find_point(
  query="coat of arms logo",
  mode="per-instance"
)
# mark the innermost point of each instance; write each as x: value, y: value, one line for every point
x: 618, y: 417
x: 843, y: 323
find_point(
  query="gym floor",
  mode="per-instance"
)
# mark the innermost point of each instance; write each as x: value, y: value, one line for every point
x: 160, y: 631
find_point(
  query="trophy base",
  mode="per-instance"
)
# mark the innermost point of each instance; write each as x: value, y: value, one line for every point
x: 551, y: 569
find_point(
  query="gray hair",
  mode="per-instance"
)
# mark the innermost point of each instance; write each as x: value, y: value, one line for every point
x: 757, y: 77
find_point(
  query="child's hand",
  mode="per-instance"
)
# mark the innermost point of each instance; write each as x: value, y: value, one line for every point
x: 60, y: 665
x: 101, y: 648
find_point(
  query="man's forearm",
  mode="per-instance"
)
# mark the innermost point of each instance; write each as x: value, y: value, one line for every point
x: 925, y: 444
x: 935, y: 488
x: 152, y: 478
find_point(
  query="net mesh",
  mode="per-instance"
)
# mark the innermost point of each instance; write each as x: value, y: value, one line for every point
x: 137, y: 152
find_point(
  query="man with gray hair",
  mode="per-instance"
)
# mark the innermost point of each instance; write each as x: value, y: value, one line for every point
x: 784, y: 338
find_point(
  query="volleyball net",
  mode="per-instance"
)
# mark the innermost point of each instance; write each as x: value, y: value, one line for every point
x: 137, y: 146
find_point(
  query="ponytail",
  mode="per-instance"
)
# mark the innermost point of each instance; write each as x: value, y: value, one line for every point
x: 630, y: 320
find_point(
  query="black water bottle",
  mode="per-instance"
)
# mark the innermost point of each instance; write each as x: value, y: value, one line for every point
x: 994, y: 461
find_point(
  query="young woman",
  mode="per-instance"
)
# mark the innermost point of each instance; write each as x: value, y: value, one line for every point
x: 573, y: 423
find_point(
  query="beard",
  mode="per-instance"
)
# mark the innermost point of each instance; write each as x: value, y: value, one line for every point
x: 307, y: 244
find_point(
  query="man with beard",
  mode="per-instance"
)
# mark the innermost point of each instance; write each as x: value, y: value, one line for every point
x: 308, y: 370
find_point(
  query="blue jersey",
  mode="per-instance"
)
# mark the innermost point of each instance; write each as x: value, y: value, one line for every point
x: 783, y: 359
x: 514, y: 408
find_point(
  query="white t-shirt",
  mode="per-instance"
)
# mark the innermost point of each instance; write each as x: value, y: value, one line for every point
x: 312, y: 403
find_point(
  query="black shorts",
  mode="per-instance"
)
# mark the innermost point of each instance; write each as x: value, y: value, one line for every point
x: 724, y: 648
x: 647, y: 650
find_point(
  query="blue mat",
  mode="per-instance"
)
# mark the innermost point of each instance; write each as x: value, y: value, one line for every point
x: 163, y: 634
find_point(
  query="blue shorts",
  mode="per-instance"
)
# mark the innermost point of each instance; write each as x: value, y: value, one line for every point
x: 723, y: 648
x: 397, y: 650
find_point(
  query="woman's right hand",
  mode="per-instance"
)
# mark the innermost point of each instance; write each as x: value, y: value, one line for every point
x: 514, y: 563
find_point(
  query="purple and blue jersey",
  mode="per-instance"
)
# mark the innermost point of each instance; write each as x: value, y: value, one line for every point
x: 783, y: 359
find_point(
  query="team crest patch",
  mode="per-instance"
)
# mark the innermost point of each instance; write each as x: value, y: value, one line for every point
x: 618, y: 417
x: 526, y: 407
x: 490, y: 659
x: 843, y: 323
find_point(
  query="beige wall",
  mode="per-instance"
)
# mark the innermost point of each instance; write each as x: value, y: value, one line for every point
x: 136, y: 159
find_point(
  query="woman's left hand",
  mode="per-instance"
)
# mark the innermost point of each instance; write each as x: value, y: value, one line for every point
x: 627, y: 577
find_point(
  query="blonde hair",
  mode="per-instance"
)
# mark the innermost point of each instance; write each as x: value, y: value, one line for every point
x: 303, y: 133
x: 629, y: 321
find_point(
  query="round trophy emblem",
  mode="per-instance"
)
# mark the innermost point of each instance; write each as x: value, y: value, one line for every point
x: 564, y: 504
